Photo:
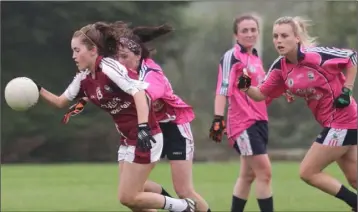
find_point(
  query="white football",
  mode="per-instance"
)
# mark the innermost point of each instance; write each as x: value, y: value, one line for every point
x: 21, y: 93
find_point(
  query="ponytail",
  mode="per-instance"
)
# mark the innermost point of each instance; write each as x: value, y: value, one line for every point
x: 139, y: 35
x: 302, y: 25
x: 146, y: 33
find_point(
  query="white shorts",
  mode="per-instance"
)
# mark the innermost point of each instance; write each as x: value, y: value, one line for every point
x: 134, y: 155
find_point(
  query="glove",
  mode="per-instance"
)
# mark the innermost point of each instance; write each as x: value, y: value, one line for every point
x: 217, y: 129
x: 74, y: 110
x: 289, y: 97
x: 145, y: 137
x: 344, y: 99
x: 244, y: 81
x: 38, y: 86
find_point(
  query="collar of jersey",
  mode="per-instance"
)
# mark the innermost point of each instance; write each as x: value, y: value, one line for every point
x: 141, y: 64
x: 96, y: 64
x: 300, y: 54
x: 244, y: 50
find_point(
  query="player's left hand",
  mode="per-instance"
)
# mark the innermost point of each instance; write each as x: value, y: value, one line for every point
x: 344, y: 99
x: 244, y: 81
x: 73, y: 110
x: 145, y: 137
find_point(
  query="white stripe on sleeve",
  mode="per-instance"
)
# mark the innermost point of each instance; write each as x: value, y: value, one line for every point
x: 278, y: 60
x: 226, y: 68
x: 119, y: 75
x: 335, y: 52
x: 74, y: 88
x: 354, y: 58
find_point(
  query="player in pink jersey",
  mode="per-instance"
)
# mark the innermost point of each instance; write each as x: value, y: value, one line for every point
x: 247, y: 120
x: 316, y: 74
x: 173, y: 114
x: 105, y: 82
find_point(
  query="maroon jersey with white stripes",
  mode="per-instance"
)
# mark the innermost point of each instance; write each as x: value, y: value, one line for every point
x: 112, y: 90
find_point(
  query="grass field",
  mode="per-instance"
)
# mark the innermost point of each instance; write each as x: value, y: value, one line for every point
x: 93, y: 187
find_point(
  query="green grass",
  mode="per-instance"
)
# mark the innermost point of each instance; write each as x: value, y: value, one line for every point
x: 93, y: 187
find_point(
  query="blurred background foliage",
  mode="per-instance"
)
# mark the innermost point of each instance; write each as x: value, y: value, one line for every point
x: 35, y: 42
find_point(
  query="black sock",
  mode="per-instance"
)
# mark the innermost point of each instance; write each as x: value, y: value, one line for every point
x: 266, y: 205
x: 347, y: 196
x: 237, y: 204
x: 165, y: 193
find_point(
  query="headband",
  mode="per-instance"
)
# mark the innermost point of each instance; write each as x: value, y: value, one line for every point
x: 130, y: 44
x: 84, y: 34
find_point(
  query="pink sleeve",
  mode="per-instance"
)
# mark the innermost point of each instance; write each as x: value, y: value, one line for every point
x: 334, y: 59
x: 273, y: 85
x: 157, y: 84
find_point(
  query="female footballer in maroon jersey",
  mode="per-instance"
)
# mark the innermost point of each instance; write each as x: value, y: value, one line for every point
x: 173, y: 114
x: 105, y: 82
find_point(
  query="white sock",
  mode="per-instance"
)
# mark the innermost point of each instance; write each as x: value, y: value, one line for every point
x: 176, y: 205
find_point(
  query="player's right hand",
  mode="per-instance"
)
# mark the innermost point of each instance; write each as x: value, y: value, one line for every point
x: 217, y: 128
x: 244, y: 81
x: 73, y: 110
x: 145, y: 137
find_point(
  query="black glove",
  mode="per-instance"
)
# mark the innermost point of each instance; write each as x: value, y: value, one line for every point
x: 344, y: 99
x: 145, y: 137
x: 244, y: 82
x: 73, y: 110
x: 38, y: 86
x: 217, y: 128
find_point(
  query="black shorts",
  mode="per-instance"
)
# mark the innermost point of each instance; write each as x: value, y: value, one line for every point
x: 337, y: 137
x: 178, y: 141
x: 253, y: 141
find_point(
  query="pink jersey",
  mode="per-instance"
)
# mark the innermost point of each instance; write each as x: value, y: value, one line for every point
x: 317, y: 78
x: 112, y: 90
x: 242, y: 111
x: 167, y: 105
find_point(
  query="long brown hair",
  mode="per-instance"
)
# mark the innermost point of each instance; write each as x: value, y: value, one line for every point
x: 140, y: 35
x: 100, y: 35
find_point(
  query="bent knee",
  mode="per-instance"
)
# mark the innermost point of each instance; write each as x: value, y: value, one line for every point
x: 127, y: 200
x: 307, y: 174
x: 352, y: 182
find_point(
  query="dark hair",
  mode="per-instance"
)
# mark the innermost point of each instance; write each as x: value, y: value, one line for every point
x: 146, y: 33
x: 140, y: 35
x: 100, y: 35
x: 241, y: 18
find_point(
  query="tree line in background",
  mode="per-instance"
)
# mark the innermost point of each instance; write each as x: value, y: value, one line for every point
x: 36, y: 43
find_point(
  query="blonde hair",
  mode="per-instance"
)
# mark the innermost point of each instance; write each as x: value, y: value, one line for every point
x: 299, y: 26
